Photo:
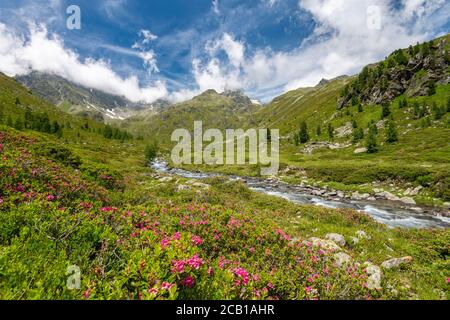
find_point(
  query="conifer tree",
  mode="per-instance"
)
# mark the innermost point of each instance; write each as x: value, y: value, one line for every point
x: 371, y: 143
x: 386, y: 111
x: 431, y: 88
x: 391, y: 132
x: 319, y: 130
x: 358, y: 134
x: 303, y: 133
x: 330, y: 131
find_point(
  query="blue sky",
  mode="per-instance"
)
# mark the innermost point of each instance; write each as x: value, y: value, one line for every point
x: 175, y: 49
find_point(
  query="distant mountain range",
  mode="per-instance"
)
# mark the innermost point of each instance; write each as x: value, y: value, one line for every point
x: 406, y: 73
x: 85, y: 102
x: 230, y: 109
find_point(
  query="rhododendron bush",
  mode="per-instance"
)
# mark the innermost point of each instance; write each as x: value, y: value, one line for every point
x: 52, y: 218
x: 130, y: 243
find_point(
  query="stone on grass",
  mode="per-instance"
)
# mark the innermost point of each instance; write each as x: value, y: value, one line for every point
x: 360, y: 150
x: 336, y: 237
x: 374, y: 279
x: 324, y: 244
x: 341, y: 259
x: 362, y: 235
x: 396, y: 262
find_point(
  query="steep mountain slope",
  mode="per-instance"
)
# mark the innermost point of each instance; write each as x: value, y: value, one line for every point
x: 413, y: 72
x: 230, y: 109
x: 314, y: 105
x: 21, y: 109
x: 82, y: 101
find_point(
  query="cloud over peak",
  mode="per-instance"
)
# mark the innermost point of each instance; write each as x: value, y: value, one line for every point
x: 41, y: 51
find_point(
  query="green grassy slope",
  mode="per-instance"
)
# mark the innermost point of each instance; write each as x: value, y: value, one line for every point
x: 141, y: 238
x: 215, y: 110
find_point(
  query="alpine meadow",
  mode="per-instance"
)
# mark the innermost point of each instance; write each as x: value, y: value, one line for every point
x: 316, y: 162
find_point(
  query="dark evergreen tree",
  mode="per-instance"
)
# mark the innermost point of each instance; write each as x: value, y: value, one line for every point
x: 391, y: 132
x: 360, y: 108
x: 385, y: 111
x: 373, y: 126
x: 330, y: 131
x: 354, y: 124
x: 431, y: 88
x: 319, y: 130
x: 371, y: 143
x: 303, y: 135
x: 55, y: 127
x: 296, y: 139
x: 358, y: 134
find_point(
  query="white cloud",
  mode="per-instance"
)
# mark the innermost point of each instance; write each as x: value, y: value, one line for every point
x: 46, y: 53
x: 215, y: 6
x: 342, y: 43
x: 147, y: 35
x: 271, y: 3
x: 148, y: 56
x: 234, y: 50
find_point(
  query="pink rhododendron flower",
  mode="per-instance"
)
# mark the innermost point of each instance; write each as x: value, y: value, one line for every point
x: 178, y: 266
x: 176, y: 236
x: 197, y: 240
x: 166, y: 285
x: 283, y: 234
x: 87, y: 293
x: 188, y: 282
x: 165, y: 243
x: 153, y: 290
x: 242, y: 274
x: 50, y: 197
x: 195, y: 262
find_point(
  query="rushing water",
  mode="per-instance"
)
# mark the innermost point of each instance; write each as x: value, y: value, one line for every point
x: 387, y: 212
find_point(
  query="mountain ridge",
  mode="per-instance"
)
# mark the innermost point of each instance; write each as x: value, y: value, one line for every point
x: 83, y: 101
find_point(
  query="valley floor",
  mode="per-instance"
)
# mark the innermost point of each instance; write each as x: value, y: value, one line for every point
x: 136, y: 234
